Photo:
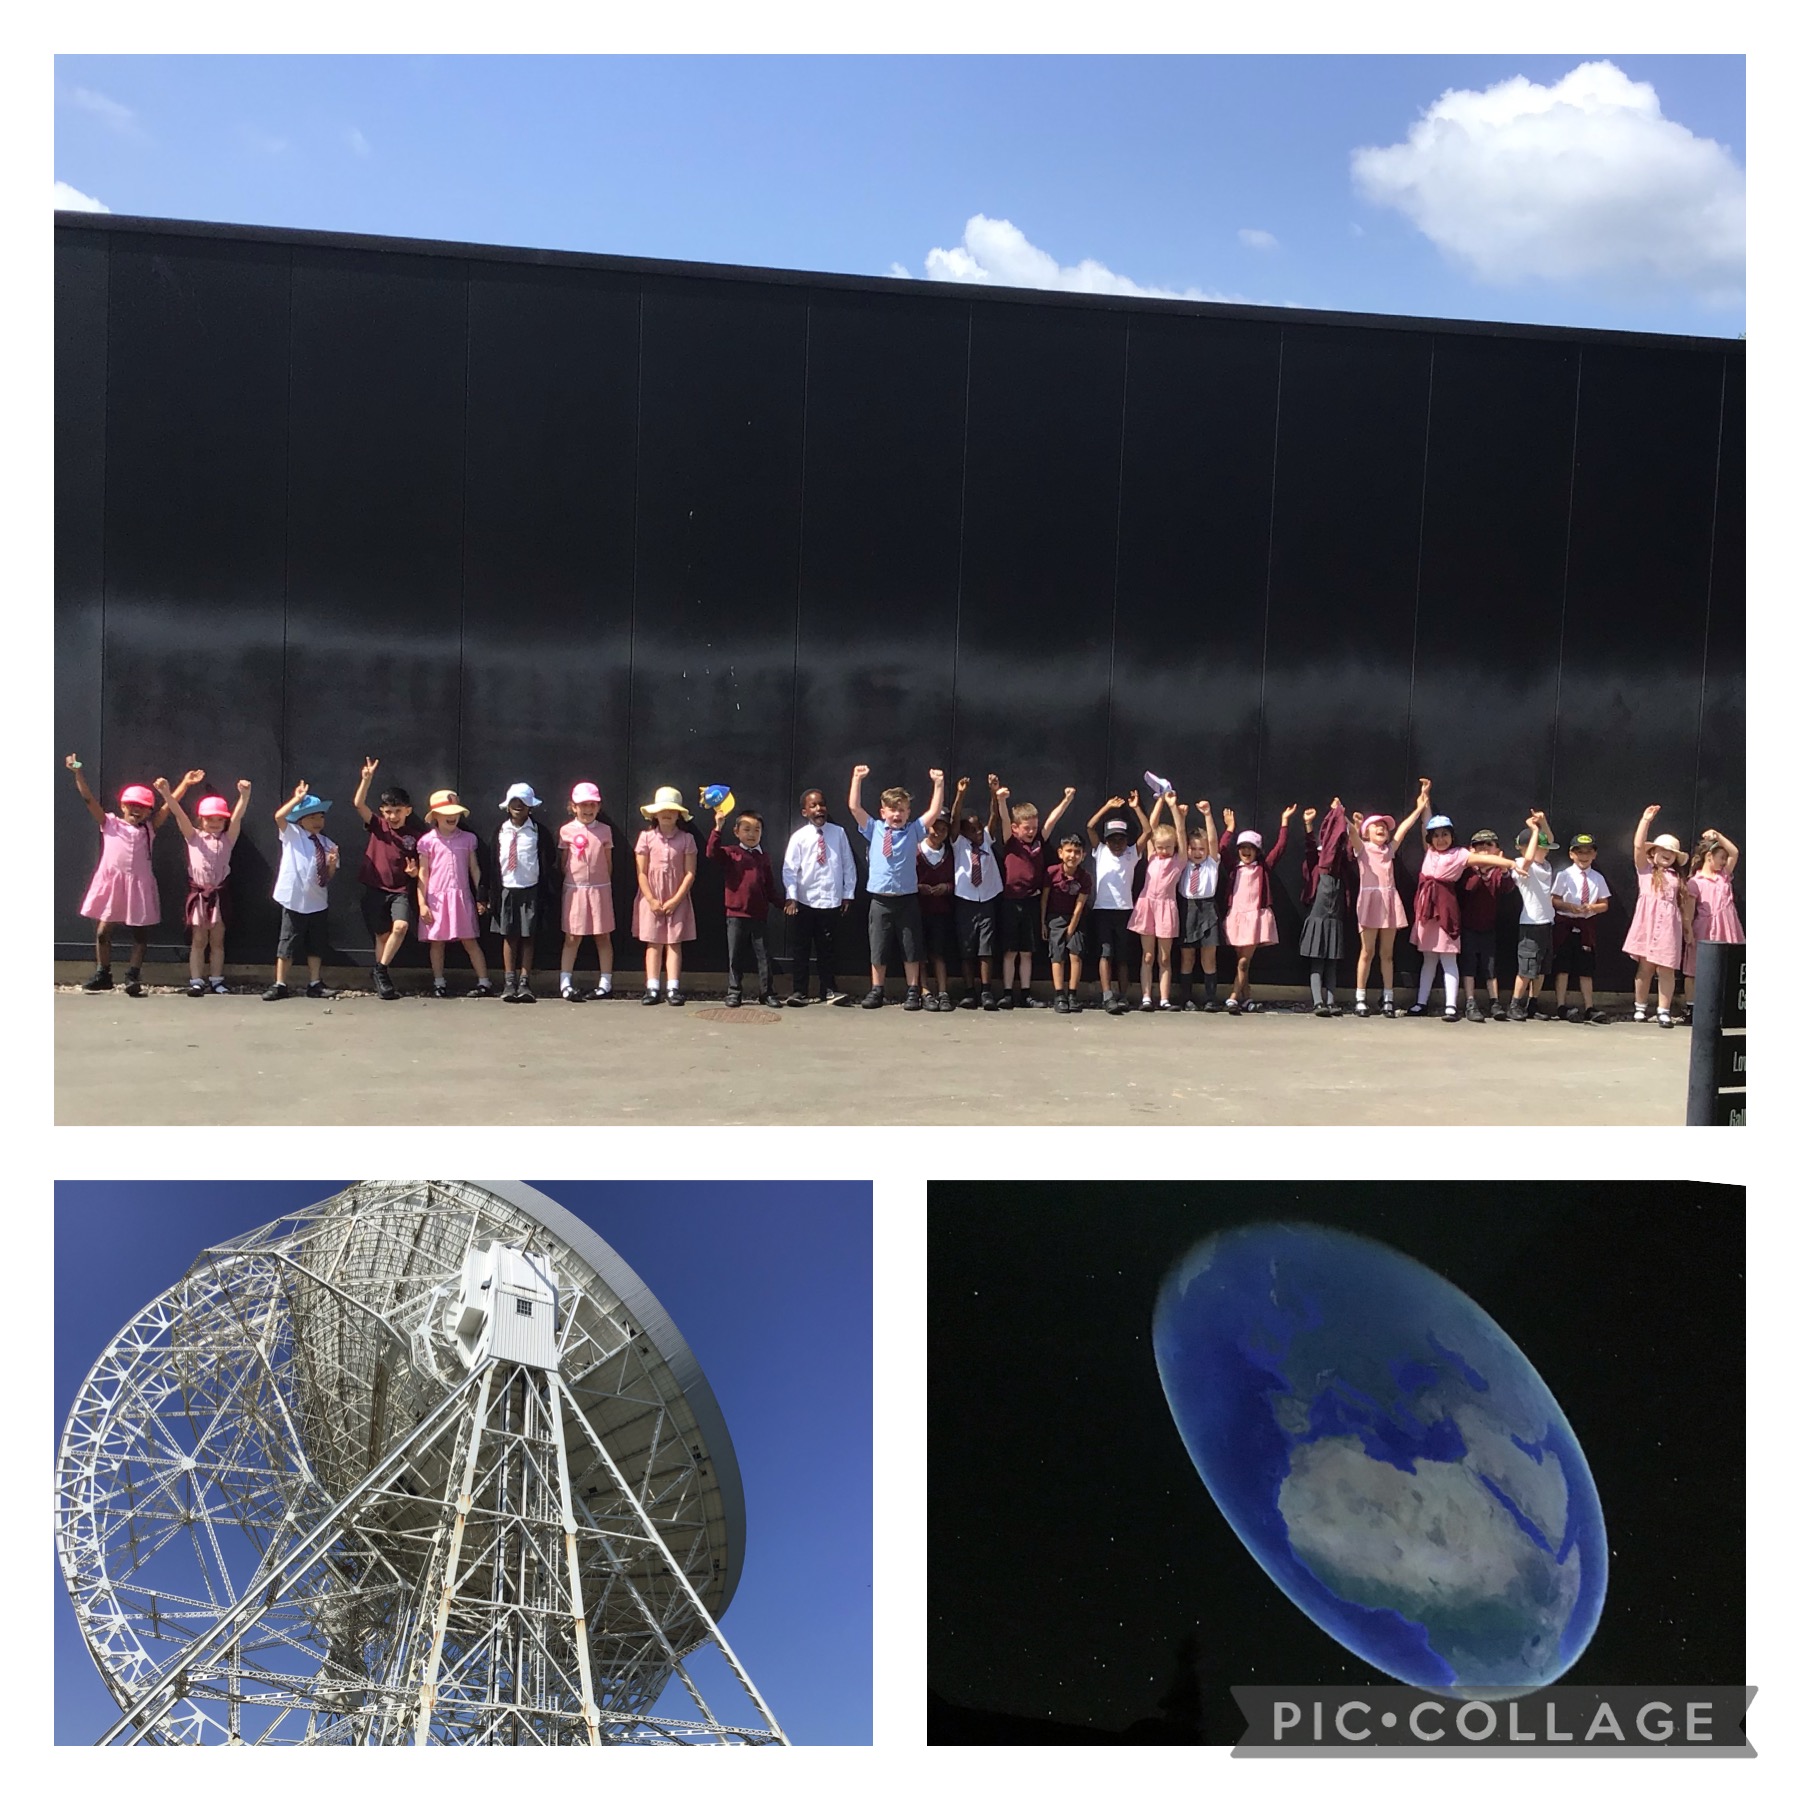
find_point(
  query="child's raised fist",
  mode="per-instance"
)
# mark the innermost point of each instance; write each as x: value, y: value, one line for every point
x: 161, y: 784
x: 72, y: 761
x: 1307, y: 817
x: 937, y: 776
x: 194, y: 777
x: 243, y: 787
x: 859, y: 771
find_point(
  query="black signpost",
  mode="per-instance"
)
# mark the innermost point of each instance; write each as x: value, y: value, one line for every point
x: 1716, y: 1062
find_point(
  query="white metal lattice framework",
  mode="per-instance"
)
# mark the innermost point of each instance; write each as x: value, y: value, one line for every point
x: 289, y: 1511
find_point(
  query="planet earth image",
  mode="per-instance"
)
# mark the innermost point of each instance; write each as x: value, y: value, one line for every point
x: 1387, y: 1454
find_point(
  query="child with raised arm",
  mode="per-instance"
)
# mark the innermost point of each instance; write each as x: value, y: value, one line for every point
x: 1324, y: 875
x: 1380, y: 912
x: 1115, y: 862
x: 208, y: 910
x: 309, y: 859
x: 1198, y: 890
x: 1248, y: 896
x: 1531, y: 876
x: 1068, y: 891
x: 123, y: 890
x: 663, y: 915
x: 1716, y: 918
x: 1662, y: 922
x: 977, y: 883
x: 1156, y: 916
x: 1022, y: 854
x: 749, y: 893
x: 819, y: 876
x: 1578, y: 896
x: 893, y: 841
x: 1483, y: 882
x: 389, y: 872
x: 937, y: 911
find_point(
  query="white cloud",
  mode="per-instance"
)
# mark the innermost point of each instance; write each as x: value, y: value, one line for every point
x: 121, y: 118
x: 356, y: 141
x: 1257, y: 240
x: 998, y: 252
x: 1582, y: 179
x: 70, y: 199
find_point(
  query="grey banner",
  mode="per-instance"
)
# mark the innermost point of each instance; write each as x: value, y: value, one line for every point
x: 1556, y: 1721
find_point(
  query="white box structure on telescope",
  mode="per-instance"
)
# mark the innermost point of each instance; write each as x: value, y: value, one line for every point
x: 506, y: 1308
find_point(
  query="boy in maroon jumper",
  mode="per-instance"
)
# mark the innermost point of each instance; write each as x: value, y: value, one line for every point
x: 1068, y: 892
x: 1022, y: 884
x: 749, y: 893
x: 1480, y: 891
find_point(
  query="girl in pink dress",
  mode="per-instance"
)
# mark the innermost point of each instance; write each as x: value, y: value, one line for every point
x: 210, y: 836
x: 1664, y: 918
x: 663, y: 914
x: 448, y: 905
x: 1716, y: 918
x: 587, y: 898
x: 123, y: 890
x: 1245, y: 886
x: 1156, y: 918
x: 1380, y: 912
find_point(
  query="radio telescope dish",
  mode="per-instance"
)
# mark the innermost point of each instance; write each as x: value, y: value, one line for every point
x: 423, y: 1463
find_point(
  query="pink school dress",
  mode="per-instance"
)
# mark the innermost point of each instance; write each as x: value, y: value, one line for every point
x: 1655, y: 932
x: 1716, y: 918
x: 587, y: 897
x: 123, y: 891
x: 668, y: 863
x: 1156, y: 913
x: 1434, y: 934
x: 1247, y: 921
x: 209, y: 863
x: 445, y: 862
x: 1378, y: 901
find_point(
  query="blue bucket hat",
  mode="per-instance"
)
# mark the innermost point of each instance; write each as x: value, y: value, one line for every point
x: 1439, y: 822
x: 309, y: 805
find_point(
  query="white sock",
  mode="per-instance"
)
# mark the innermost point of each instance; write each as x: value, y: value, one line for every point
x: 568, y: 979
x: 1362, y: 993
x: 1387, y: 995
x: 606, y: 984
x: 674, y: 984
x: 652, y: 985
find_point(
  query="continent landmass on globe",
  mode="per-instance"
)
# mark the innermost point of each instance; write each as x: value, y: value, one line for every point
x: 1387, y: 1454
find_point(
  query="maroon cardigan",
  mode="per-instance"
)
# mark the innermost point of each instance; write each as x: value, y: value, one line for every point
x: 749, y: 877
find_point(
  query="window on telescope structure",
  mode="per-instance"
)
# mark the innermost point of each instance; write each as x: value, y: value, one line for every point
x: 524, y: 1307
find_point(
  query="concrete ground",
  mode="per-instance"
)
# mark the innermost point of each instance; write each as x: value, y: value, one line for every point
x: 233, y: 1060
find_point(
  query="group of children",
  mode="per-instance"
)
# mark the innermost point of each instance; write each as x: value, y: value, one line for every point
x: 989, y: 892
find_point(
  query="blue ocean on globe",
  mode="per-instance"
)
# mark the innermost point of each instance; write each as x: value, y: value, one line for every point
x: 1387, y: 1454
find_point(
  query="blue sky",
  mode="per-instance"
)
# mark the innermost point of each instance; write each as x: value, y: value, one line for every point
x: 1593, y: 189
x: 770, y: 1285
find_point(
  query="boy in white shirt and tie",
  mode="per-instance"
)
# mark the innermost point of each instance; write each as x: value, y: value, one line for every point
x: 1579, y: 895
x: 818, y: 876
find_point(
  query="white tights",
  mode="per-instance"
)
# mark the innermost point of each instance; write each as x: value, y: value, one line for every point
x: 1428, y: 969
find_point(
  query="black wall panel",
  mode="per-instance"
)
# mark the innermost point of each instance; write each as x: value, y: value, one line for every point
x: 718, y: 555
x: 197, y: 426
x: 1040, y: 534
x: 375, y: 554
x: 80, y: 584
x: 1640, y: 541
x: 1199, y: 469
x: 1492, y: 557
x: 551, y: 509
x: 1719, y: 790
x: 495, y: 517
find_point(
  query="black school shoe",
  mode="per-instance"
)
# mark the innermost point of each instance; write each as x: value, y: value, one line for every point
x: 384, y: 983
x: 1473, y: 1013
x: 769, y: 1000
x: 1005, y: 1002
x: 100, y: 982
x: 796, y: 998
x: 652, y: 997
x: 914, y: 1001
x: 276, y: 990
x: 571, y: 992
x: 990, y: 1001
x: 872, y: 999
x: 317, y: 990
x: 733, y: 998
x: 676, y: 997
x: 969, y: 1001
x: 134, y: 981
x: 196, y: 988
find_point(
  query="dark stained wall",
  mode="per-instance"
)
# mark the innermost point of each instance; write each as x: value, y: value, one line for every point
x: 497, y: 517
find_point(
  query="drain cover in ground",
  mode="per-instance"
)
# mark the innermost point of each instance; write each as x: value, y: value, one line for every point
x: 740, y: 1015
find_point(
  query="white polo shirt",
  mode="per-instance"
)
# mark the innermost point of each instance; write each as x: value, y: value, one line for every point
x: 1533, y: 882
x: 1112, y: 879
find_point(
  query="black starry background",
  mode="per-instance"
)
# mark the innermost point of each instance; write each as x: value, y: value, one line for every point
x: 1083, y: 1586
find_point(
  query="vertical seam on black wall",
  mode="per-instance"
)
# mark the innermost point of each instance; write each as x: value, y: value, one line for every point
x: 287, y: 530
x: 800, y: 557
x: 1412, y: 674
x: 637, y: 494
x: 1112, y: 653
x: 105, y: 465
x: 1712, y: 555
x: 1262, y: 684
x: 462, y: 531
x: 1562, y: 623
x: 962, y: 522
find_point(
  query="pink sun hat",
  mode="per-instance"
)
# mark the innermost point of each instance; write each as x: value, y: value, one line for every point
x: 584, y: 790
x: 137, y: 796
x: 1386, y: 819
x: 214, y: 806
